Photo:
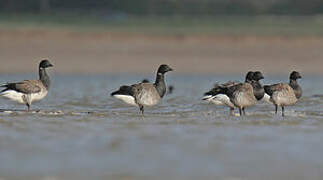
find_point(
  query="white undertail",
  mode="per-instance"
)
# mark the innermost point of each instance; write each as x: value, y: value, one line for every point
x: 126, y: 98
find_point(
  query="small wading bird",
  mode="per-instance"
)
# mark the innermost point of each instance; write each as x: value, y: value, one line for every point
x: 29, y: 91
x: 284, y: 94
x: 144, y: 94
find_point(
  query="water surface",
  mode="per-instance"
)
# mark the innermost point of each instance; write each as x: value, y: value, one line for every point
x: 81, y: 132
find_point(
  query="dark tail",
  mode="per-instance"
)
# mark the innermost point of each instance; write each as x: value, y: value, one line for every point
x: 268, y: 90
x: 4, y: 86
x: 114, y: 93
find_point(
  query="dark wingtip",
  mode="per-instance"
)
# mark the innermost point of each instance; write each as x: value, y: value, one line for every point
x: 3, y: 90
x: 206, y: 93
x: 204, y: 98
x: 4, y: 86
x: 114, y: 93
x: 267, y: 89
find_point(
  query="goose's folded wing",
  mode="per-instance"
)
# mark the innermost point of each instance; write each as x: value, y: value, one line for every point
x: 143, y: 88
x: 270, y: 89
x: 229, y: 83
x: 230, y: 90
x: 214, y: 91
x: 124, y: 90
x: 27, y: 86
x: 217, y: 89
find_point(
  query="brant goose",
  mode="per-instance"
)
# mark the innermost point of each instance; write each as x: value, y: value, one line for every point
x: 218, y: 96
x: 144, y: 94
x: 241, y: 95
x: 29, y: 91
x: 284, y: 94
x: 126, y: 95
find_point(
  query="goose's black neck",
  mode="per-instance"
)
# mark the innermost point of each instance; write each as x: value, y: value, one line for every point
x: 258, y: 90
x: 160, y: 84
x: 297, y: 88
x: 44, y: 77
x: 293, y: 82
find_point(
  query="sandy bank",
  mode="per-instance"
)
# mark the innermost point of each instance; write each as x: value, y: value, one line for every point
x: 104, y: 52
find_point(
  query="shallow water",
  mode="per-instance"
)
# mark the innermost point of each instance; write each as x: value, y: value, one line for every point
x: 81, y: 132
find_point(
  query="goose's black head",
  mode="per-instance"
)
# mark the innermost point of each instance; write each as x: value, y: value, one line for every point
x: 249, y: 76
x: 257, y: 76
x: 164, y: 69
x: 45, y: 64
x: 295, y: 75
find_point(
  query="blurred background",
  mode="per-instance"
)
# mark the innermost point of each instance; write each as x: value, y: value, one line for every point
x: 205, y: 36
x: 81, y: 132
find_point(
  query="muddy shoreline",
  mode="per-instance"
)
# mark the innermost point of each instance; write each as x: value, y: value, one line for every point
x: 107, y: 52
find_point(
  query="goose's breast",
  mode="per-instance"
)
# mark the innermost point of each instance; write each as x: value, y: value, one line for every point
x: 244, y: 99
x: 284, y: 98
x: 38, y: 96
x: 148, y: 97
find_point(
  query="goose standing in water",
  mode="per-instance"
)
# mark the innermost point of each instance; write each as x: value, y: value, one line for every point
x: 217, y: 95
x: 144, y: 94
x: 241, y: 95
x: 29, y: 91
x: 285, y: 94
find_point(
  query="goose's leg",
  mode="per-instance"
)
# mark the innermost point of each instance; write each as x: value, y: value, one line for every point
x: 28, y: 107
x: 141, y: 107
x: 283, y: 111
x: 276, y: 108
x: 231, y: 111
x: 240, y: 111
x: 27, y: 99
x: 243, y: 111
